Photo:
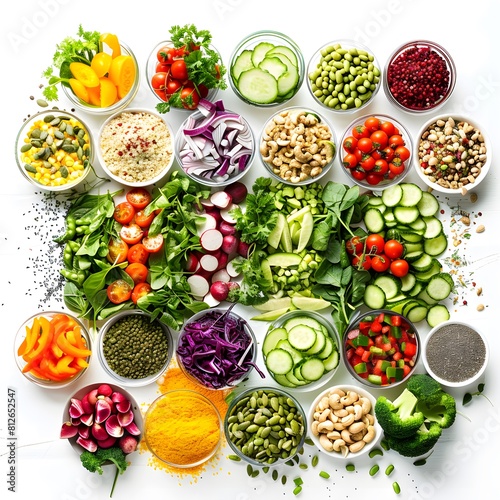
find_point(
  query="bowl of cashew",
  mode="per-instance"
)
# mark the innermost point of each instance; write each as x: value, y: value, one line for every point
x: 297, y: 146
x: 342, y: 423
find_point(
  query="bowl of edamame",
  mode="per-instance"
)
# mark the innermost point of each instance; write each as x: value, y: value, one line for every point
x: 54, y: 150
x: 343, y: 76
x: 265, y: 426
x: 134, y: 349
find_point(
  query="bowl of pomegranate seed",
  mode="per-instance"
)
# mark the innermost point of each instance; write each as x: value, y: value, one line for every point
x: 419, y: 77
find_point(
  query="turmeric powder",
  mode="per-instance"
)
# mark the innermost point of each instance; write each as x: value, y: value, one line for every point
x: 183, y: 428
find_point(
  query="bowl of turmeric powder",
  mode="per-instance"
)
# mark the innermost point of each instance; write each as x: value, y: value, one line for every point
x: 183, y: 428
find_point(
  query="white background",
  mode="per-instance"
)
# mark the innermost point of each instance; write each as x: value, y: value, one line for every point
x: 47, y: 468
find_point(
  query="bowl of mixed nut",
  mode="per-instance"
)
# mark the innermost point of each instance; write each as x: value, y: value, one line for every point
x: 452, y: 154
x: 297, y: 146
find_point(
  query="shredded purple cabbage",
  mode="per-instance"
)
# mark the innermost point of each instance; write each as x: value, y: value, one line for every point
x: 211, y: 348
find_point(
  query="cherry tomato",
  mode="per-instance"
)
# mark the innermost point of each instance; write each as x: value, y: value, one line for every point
x: 138, y: 272
x: 374, y: 243
x: 372, y: 123
x: 137, y: 253
x: 119, y: 291
x: 387, y: 154
x: 350, y: 160
x: 381, y: 167
x: 181, y: 51
x: 166, y: 55
x: 153, y: 244
x: 161, y: 94
x: 131, y: 233
x: 362, y: 262
x: 124, y: 212
x: 393, y: 249
x: 144, y: 220
x: 380, y: 263
x: 388, y: 128
x: 162, y: 67
x: 358, y: 173
x: 159, y: 81
x: 373, y: 178
x: 350, y: 143
x: 179, y: 70
x: 395, y: 141
x: 367, y: 163
x: 139, y: 197
x: 117, y: 251
x: 365, y: 145
x: 360, y: 131
x: 190, y: 98
x: 379, y: 139
x: 396, y: 166
x: 172, y: 86
x: 399, y: 267
x: 354, y: 245
x: 402, y: 152
x: 139, y: 291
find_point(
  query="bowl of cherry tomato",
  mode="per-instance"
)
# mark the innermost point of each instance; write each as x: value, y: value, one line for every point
x: 381, y: 348
x: 175, y: 82
x: 376, y: 152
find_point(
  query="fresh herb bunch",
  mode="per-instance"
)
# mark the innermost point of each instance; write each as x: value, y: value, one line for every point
x: 80, y: 49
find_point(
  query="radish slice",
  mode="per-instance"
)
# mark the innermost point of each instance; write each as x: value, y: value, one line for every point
x: 230, y: 244
x: 205, y: 222
x: 226, y: 213
x: 199, y: 285
x: 226, y: 228
x: 221, y: 199
x: 209, y: 262
x: 219, y: 290
x: 211, y: 300
x: 238, y: 191
x: 221, y: 275
x: 211, y: 240
x: 231, y: 270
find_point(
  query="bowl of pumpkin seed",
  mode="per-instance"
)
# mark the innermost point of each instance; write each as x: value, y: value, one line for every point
x: 54, y: 150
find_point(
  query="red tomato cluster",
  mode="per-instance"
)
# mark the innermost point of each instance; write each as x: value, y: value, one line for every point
x: 374, y: 252
x: 133, y: 246
x: 171, y: 77
x: 375, y: 151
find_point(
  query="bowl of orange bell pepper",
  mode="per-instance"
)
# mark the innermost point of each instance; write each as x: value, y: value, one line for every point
x: 52, y: 349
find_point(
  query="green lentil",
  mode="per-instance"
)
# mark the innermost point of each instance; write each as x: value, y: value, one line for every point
x: 396, y: 488
x: 297, y: 490
x: 235, y: 458
x: 134, y: 347
x: 374, y: 470
x: 350, y: 467
x: 314, y: 460
x: 389, y: 469
x: 324, y: 475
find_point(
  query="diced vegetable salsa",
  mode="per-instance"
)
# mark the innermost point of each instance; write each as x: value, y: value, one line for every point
x: 382, y: 349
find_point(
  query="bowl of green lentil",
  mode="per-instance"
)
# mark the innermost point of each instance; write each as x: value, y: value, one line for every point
x: 54, y: 150
x: 343, y: 76
x: 265, y: 426
x: 134, y: 349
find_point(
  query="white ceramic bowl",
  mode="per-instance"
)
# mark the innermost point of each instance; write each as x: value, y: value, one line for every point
x: 427, y: 173
x: 455, y: 353
x: 136, y: 147
x: 371, y: 434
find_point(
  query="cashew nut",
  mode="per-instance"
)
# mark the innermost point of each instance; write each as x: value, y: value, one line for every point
x: 346, y: 436
x: 357, y: 446
x: 325, y: 442
x: 325, y: 426
x: 370, y: 434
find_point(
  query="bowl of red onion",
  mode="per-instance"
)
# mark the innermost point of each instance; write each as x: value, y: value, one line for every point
x: 217, y: 349
x: 214, y: 146
x: 419, y: 77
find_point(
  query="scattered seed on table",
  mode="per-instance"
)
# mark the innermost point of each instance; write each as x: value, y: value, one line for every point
x: 283, y: 479
x: 303, y: 466
x: 315, y: 460
x: 275, y: 475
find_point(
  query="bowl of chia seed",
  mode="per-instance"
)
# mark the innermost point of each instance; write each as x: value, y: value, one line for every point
x: 134, y: 349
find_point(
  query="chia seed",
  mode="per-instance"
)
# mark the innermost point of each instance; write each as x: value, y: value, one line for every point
x: 455, y: 352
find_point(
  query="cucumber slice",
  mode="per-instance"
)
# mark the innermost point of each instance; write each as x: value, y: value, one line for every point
x: 272, y: 338
x: 436, y: 246
x: 424, y: 263
x: 408, y: 282
x: 332, y: 361
x: 258, y: 86
x: 286, y: 346
x: 302, y: 321
x: 412, y: 194
x: 425, y: 276
x: 287, y: 82
x: 416, y: 290
x: 260, y: 51
x: 309, y: 303
x: 286, y: 51
x: 391, y: 196
x: 376, y: 202
x: 433, y: 227
x: 417, y: 313
x: 294, y: 380
x: 273, y: 304
x: 312, y: 369
x: 270, y: 315
x: 284, y: 259
x: 328, y: 349
x: 428, y: 204
x: 406, y: 215
x: 411, y: 236
x: 283, y: 58
x: 437, y: 314
x: 279, y: 361
x: 274, y: 237
x: 374, y: 220
x: 318, y: 345
x: 438, y: 288
x: 242, y: 63
x: 391, y: 285
x: 273, y: 65
x: 302, y: 337
x: 374, y: 297
x: 419, y: 225
x: 284, y: 381
x: 414, y: 256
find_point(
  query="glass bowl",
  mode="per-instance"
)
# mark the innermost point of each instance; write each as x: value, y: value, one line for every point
x: 54, y: 150
x: 153, y: 66
x: 343, y: 76
x: 236, y: 357
x: 50, y: 362
x: 291, y: 160
x: 80, y: 413
x: 311, y: 368
x: 384, y: 166
x: 354, y: 434
x: 118, y: 105
x: 124, y: 353
x: 231, y: 158
x: 259, y: 402
x: 455, y: 353
x: 379, y: 360
x: 443, y: 175
x: 273, y: 65
x: 180, y: 409
x: 417, y: 67
x: 142, y: 158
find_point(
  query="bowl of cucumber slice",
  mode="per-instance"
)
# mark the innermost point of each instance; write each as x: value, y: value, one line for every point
x: 266, y: 69
x: 301, y: 350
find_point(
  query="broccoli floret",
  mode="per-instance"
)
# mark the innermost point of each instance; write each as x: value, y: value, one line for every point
x: 399, y: 418
x: 418, y: 444
x: 423, y: 386
x: 93, y: 461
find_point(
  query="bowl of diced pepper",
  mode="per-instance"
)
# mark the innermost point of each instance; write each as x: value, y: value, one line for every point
x: 381, y: 348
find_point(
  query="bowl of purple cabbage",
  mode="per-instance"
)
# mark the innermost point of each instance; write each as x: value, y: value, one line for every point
x: 217, y: 349
x: 214, y: 146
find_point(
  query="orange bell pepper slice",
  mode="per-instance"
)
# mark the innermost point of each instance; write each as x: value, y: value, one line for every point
x: 68, y: 348
x: 63, y: 366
